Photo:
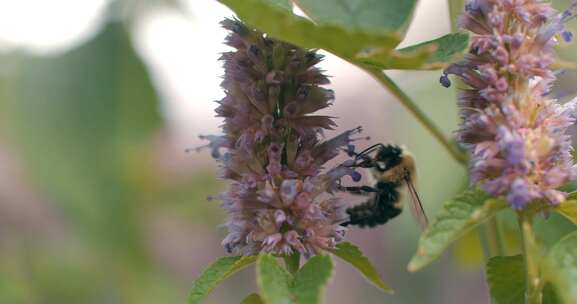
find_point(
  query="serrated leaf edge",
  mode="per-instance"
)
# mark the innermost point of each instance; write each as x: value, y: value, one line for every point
x: 489, y: 204
x: 233, y: 269
x: 380, y: 284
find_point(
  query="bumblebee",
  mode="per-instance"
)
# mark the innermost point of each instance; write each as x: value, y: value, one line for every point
x: 392, y: 169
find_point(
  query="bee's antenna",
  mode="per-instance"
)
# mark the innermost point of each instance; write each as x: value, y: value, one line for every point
x: 368, y: 150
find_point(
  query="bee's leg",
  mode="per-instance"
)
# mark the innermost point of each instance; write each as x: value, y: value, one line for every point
x: 362, y: 190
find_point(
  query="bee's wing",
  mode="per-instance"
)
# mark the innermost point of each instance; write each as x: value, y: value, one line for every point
x: 416, y: 205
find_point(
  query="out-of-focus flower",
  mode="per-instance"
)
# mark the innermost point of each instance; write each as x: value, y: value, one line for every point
x: 516, y: 133
x: 279, y: 199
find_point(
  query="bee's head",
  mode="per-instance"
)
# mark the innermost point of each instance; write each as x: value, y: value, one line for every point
x: 392, y: 164
x: 387, y: 157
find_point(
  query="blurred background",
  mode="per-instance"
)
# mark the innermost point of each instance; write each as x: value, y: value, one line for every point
x: 100, y: 203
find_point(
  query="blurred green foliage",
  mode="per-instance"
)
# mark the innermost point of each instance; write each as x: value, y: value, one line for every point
x: 83, y: 120
x: 561, y: 267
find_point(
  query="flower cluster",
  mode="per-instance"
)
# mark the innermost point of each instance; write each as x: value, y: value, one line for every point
x: 516, y: 133
x: 279, y: 199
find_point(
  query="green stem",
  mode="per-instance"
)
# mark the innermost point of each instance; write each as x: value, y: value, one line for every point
x: 455, y: 9
x: 494, y: 238
x: 487, y: 254
x: 408, y: 103
x: 292, y: 262
x: 533, y: 292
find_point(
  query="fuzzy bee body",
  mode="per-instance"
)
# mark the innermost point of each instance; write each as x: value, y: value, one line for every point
x: 392, y: 169
x: 376, y: 210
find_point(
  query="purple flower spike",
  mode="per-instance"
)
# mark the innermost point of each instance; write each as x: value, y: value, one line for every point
x: 278, y: 201
x: 515, y: 131
x: 512, y: 146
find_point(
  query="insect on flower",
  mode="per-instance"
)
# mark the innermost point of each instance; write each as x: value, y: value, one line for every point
x: 281, y: 194
x: 392, y: 168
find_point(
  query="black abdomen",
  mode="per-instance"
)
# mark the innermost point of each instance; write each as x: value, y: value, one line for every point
x: 379, y: 209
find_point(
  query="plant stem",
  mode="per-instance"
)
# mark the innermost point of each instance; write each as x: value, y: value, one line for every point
x: 494, y: 237
x: 533, y: 292
x: 408, y: 103
x: 455, y: 9
x: 487, y: 254
x: 292, y: 262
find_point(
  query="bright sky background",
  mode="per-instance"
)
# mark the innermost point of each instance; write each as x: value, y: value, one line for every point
x: 181, y: 50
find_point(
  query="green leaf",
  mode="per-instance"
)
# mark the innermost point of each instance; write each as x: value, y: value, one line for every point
x: 216, y: 273
x: 283, y: 24
x: 285, y: 4
x: 549, y: 295
x: 353, y: 255
x: 278, y: 286
x: 447, y: 48
x: 370, y: 15
x: 429, y: 55
x: 252, y: 299
x: 561, y: 268
x: 506, y: 278
x: 311, y: 279
x: 358, y: 45
x: 274, y: 282
x: 81, y: 122
x: 459, y: 215
x: 569, y: 210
